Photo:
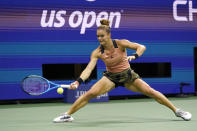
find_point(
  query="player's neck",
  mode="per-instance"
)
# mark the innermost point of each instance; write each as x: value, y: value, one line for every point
x: 108, y: 45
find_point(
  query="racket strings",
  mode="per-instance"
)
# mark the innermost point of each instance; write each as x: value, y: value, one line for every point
x: 35, y: 85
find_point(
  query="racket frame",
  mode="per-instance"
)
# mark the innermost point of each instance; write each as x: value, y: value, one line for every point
x: 47, y: 81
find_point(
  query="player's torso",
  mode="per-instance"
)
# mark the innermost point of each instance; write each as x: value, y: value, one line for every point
x: 115, y: 59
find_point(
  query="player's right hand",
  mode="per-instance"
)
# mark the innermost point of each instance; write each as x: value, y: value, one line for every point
x: 74, y: 85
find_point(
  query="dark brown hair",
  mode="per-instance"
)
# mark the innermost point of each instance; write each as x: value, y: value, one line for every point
x: 104, y: 25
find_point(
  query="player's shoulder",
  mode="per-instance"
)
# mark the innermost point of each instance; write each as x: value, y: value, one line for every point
x: 96, y: 52
x: 121, y: 42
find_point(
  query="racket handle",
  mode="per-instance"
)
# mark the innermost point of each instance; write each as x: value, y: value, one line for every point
x: 65, y: 86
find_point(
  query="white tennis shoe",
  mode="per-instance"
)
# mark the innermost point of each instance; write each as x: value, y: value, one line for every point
x: 63, y: 118
x: 185, y: 115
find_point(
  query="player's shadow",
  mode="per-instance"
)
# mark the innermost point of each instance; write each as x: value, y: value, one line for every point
x: 115, y: 121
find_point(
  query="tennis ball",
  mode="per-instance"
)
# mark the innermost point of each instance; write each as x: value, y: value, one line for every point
x: 60, y: 90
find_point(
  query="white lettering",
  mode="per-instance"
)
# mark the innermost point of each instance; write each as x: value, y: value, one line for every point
x: 79, y: 18
x: 191, y: 11
x: 50, y: 21
x: 87, y: 24
x: 103, y: 95
x: 175, y: 12
x: 60, y: 19
x: 79, y: 93
x: 101, y: 15
x: 183, y: 18
x: 111, y: 18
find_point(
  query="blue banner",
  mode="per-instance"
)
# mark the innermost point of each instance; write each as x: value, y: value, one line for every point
x: 36, y: 32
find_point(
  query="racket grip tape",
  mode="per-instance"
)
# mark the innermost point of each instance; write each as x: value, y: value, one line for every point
x: 65, y: 86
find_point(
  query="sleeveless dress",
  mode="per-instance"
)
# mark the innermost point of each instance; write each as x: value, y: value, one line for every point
x: 117, y: 66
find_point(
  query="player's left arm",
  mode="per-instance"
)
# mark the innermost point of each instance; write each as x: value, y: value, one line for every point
x: 132, y: 45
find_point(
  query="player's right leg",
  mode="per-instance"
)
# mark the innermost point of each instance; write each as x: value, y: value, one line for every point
x: 104, y: 85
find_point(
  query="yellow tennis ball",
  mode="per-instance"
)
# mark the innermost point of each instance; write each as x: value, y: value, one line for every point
x: 60, y: 90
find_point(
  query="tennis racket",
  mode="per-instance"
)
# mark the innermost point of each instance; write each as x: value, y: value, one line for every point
x: 37, y: 85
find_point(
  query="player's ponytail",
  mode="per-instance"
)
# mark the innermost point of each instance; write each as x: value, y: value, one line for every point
x: 104, y: 25
x: 104, y: 22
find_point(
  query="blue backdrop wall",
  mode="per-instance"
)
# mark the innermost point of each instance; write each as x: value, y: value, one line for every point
x: 37, y: 32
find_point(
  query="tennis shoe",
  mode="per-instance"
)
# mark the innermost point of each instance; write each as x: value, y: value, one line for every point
x: 63, y: 118
x: 185, y: 115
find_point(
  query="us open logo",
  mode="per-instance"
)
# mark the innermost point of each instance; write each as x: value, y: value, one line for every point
x: 84, y: 20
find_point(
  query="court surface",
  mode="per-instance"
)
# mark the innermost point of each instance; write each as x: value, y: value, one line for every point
x: 116, y: 115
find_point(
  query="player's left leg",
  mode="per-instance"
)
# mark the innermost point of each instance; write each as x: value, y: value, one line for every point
x: 142, y: 87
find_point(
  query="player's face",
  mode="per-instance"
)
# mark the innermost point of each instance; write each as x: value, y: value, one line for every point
x: 103, y: 37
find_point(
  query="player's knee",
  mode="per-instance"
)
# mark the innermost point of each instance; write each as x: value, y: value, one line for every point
x: 91, y: 94
x: 151, y: 92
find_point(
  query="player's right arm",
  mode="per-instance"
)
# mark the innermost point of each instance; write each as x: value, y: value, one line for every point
x: 88, y: 70
x: 90, y: 67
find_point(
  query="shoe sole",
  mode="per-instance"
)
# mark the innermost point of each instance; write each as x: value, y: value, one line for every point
x: 69, y: 120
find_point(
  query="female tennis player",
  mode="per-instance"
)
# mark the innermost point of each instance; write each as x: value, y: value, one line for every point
x: 114, y: 54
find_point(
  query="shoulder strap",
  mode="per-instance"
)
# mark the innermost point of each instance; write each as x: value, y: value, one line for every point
x: 115, y: 44
x: 102, y: 49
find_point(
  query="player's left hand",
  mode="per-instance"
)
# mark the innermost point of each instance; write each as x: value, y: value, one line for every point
x: 130, y: 58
